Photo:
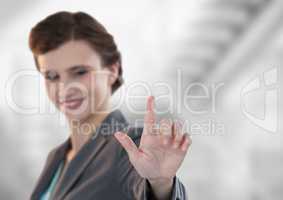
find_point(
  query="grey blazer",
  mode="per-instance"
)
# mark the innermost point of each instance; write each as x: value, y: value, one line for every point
x: 101, y: 170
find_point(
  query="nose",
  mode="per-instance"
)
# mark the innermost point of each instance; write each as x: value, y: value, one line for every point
x: 69, y: 89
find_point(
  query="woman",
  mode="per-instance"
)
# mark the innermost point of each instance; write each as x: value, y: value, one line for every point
x: 103, y: 158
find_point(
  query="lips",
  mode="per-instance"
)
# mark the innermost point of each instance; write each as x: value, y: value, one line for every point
x: 72, y: 103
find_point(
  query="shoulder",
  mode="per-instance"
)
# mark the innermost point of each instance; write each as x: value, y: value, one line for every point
x: 59, y: 150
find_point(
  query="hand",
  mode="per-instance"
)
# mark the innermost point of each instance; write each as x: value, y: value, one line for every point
x: 161, y: 150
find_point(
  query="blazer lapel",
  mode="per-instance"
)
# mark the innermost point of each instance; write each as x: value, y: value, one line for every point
x: 49, y: 170
x: 116, y: 121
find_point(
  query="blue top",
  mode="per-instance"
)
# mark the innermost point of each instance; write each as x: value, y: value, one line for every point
x: 46, y: 195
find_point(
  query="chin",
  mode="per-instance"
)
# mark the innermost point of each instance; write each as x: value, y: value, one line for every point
x: 77, y: 117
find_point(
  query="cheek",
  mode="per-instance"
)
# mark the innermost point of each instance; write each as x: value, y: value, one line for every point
x: 52, y: 91
x: 87, y: 82
x: 95, y: 84
x: 97, y: 91
x: 100, y: 85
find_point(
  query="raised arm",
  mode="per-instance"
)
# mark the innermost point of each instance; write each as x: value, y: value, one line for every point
x: 159, y: 155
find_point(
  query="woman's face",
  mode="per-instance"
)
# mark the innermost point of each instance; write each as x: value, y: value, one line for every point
x: 76, y: 81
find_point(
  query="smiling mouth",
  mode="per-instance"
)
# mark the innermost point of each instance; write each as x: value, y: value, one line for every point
x: 72, y: 103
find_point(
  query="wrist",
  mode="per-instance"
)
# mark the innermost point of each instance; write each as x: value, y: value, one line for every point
x: 162, y: 187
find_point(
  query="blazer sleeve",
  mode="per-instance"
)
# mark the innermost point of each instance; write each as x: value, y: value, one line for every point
x: 178, y: 190
x: 136, y: 187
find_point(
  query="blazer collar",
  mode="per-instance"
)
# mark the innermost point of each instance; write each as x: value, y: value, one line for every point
x: 53, y: 160
x: 114, y: 121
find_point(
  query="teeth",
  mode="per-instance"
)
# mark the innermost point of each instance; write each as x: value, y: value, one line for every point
x: 70, y: 103
x: 69, y: 100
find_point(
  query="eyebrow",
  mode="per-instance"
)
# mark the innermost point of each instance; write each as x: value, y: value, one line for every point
x: 75, y: 67
x: 71, y: 69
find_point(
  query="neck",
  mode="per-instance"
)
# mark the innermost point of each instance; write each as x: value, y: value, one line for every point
x: 82, y: 131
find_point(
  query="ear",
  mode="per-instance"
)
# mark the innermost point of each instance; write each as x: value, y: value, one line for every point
x: 114, y: 73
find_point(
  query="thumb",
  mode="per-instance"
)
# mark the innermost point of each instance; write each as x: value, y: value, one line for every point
x: 128, y: 144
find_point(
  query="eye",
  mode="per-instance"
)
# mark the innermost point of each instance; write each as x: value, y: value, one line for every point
x: 81, y: 71
x: 52, y: 76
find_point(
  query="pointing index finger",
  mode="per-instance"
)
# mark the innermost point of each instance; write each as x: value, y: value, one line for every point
x: 149, y: 118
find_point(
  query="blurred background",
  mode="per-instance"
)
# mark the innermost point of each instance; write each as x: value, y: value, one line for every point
x: 219, y: 61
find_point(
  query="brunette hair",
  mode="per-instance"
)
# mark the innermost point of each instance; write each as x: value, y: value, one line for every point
x: 63, y: 26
